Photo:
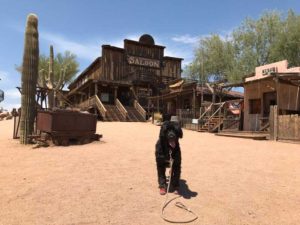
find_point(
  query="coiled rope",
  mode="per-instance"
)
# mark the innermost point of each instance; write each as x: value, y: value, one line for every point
x: 178, y: 204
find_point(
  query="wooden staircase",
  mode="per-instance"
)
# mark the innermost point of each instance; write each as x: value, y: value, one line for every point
x: 212, y: 119
x: 212, y: 124
x: 113, y: 114
x: 134, y: 115
x: 116, y: 112
x: 93, y: 102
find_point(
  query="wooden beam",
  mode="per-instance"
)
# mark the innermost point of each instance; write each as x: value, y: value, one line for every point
x: 194, y: 102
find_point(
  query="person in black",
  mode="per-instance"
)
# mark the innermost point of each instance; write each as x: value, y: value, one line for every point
x: 167, y: 143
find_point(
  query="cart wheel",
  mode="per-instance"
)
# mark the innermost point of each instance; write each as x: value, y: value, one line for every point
x: 64, y: 142
x: 56, y: 141
x: 84, y: 140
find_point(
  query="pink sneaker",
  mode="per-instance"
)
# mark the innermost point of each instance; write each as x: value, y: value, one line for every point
x: 162, y: 191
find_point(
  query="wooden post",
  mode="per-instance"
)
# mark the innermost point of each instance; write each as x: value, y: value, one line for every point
x: 271, y: 121
x: 276, y: 124
x: 96, y: 89
x: 194, y: 102
x: 277, y: 94
x: 148, y: 92
x: 176, y: 102
x: 220, y: 102
x: 115, y: 93
x: 202, y: 94
x: 277, y: 109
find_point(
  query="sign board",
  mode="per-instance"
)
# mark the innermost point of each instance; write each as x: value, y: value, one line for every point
x: 195, y: 121
x: 268, y: 71
x: 134, y: 60
x: 1, y: 95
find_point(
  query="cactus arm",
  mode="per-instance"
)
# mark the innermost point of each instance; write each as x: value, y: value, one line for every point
x: 41, y: 80
x: 61, y: 79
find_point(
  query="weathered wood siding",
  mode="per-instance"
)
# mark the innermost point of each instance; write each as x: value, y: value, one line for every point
x: 289, y: 127
x: 147, y: 51
x: 255, y: 90
x: 289, y: 97
x: 112, y: 63
x: 172, y: 68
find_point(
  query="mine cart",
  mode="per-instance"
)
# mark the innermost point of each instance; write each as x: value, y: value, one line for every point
x: 64, y: 126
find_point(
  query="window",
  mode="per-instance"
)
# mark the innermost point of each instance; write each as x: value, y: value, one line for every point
x: 254, y: 106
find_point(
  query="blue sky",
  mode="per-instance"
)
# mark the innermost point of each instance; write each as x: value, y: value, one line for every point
x: 83, y: 26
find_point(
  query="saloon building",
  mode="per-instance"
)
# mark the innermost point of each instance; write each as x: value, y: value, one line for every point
x: 117, y: 85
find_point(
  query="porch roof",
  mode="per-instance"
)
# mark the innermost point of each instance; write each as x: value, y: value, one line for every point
x: 292, y: 78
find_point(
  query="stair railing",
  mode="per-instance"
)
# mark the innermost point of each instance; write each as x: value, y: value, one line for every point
x: 220, y: 107
x: 84, y: 104
x: 206, y: 111
x: 63, y: 98
x: 221, y: 104
x: 99, y: 105
x: 121, y: 108
x: 140, y: 109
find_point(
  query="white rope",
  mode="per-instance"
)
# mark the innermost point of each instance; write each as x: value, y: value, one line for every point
x: 178, y: 204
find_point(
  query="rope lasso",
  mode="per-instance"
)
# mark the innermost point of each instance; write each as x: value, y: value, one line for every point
x: 178, y: 204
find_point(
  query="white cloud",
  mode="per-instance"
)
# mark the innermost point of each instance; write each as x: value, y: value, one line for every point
x: 4, y: 77
x: 120, y: 42
x: 88, y: 51
x: 12, y: 94
x: 10, y: 106
x: 180, y: 46
x: 186, y: 39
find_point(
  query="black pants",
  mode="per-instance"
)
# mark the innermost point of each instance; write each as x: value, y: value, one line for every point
x: 162, y: 164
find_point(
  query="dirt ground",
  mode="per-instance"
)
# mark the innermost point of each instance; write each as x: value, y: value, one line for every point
x: 224, y: 180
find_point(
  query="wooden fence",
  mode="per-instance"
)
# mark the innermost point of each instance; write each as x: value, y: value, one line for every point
x: 284, y: 127
x: 289, y: 127
x: 186, y: 117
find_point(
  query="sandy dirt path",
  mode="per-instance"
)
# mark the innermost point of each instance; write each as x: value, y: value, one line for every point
x: 224, y: 180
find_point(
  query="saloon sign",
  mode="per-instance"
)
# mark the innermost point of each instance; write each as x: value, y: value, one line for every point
x: 134, y: 60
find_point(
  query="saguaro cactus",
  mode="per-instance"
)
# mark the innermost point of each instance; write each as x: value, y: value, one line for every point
x: 48, y: 80
x: 29, y: 78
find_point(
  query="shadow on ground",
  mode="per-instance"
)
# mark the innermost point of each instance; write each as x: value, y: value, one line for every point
x: 185, y: 192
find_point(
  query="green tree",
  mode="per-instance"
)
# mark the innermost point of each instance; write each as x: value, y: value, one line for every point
x: 288, y: 42
x: 255, y: 41
x: 191, y: 71
x: 272, y: 37
x: 214, y: 59
x: 66, y: 60
x: 61, y: 61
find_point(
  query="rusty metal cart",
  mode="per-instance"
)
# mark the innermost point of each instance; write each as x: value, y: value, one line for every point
x: 65, y: 126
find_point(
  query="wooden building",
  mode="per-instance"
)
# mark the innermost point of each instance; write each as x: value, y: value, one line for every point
x: 196, y: 106
x: 272, y: 84
x: 117, y: 84
x: 184, y: 94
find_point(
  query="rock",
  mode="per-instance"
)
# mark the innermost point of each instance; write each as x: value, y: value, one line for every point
x: 9, y: 117
x: 4, y: 114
